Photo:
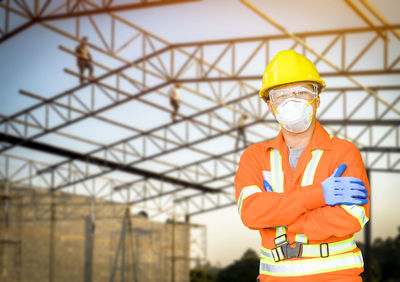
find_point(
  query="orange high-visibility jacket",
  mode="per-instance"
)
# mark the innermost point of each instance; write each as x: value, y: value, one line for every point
x: 301, y: 209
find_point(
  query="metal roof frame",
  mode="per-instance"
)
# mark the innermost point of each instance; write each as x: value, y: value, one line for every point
x: 158, y: 62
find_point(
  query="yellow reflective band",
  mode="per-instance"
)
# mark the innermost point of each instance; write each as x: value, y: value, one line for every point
x: 281, y: 230
x: 246, y: 191
x: 301, y: 238
x: 277, y: 254
x: 276, y: 171
x: 309, y: 172
x: 277, y: 180
x: 358, y: 212
x: 280, y: 171
x: 314, y: 250
x: 311, y: 266
x: 332, y: 248
x: 273, y: 169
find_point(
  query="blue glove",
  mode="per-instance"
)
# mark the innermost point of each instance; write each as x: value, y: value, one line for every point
x: 267, y: 186
x: 340, y: 190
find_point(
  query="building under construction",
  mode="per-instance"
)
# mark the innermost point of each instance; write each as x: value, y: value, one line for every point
x: 65, y: 237
x: 99, y: 183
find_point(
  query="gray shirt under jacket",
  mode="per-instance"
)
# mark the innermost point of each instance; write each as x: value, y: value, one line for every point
x: 294, y: 155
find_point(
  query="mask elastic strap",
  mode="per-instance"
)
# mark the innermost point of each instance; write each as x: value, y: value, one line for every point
x: 274, y: 108
x: 309, y: 103
x: 276, y: 111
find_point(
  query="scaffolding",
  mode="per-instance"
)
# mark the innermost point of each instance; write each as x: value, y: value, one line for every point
x: 10, y: 235
x: 109, y: 243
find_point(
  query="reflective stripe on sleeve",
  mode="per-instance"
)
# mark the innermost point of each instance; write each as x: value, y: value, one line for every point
x: 246, y: 191
x: 311, y: 266
x: 358, y: 212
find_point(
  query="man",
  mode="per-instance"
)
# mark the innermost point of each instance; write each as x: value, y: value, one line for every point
x: 84, y: 59
x: 241, y: 133
x: 305, y: 191
x: 174, y: 100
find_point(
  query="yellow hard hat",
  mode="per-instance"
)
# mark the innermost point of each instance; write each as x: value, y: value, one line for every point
x: 286, y: 67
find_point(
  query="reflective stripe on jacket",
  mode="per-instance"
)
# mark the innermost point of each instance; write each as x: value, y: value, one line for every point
x: 296, y: 206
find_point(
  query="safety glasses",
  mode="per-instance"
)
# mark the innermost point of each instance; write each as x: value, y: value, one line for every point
x: 278, y: 96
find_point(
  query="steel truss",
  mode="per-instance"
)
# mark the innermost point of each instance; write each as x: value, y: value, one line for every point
x: 47, y: 10
x: 224, y: 75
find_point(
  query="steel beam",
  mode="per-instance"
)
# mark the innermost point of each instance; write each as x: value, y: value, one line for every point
x: 327, y: 32
x: 105, y: 9
x: 100, y: 162
x: 259, y: 77
x: 116, y: 8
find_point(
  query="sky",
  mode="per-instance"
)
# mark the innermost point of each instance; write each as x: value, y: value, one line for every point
x: 33, y: 61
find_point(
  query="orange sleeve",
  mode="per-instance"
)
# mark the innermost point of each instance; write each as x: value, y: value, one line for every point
x: 338, y: 221
x: 260, y: 209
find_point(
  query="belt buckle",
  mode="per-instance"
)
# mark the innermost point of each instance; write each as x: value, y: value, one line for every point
x: 294, y: 252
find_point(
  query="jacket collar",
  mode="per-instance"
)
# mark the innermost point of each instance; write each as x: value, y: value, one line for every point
x: 319, y: 140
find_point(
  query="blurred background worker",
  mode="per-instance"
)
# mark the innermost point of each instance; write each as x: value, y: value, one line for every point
x: 241, y: 133
x: 305, y: 191
x: 84, y: 59
x: 174, y: 100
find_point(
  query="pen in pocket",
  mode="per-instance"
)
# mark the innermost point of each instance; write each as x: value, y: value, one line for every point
x: 267, y: 186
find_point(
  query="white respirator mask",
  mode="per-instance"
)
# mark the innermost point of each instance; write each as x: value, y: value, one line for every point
x: 295, y: 115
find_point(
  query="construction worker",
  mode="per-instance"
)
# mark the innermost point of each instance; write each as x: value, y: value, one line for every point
x: 174, y: 100
x: 84, y: 59
x: 306, y: 192
x: 241, y: 133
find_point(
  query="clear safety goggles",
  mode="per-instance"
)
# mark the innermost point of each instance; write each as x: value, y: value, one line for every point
x: 278, y: 96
